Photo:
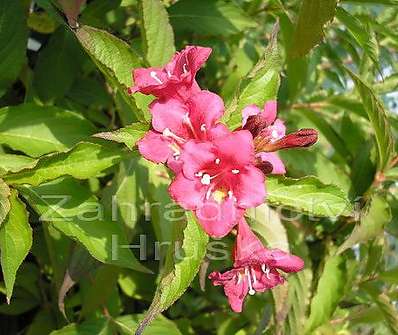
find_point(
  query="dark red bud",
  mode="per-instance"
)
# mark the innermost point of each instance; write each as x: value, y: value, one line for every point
x: 255, y: 123
x: 300, y: 139
x: 264, y: 166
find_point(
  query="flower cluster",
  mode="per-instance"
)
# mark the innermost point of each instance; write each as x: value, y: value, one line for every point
x: 219, y: 173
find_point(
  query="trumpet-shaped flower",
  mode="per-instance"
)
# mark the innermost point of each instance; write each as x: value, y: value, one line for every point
x: 219, y: 181
x: 175, y: 122
x: 256, y: 268
x: 176, y: 79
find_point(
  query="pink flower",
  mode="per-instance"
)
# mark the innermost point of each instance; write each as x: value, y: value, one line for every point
x: 176, y: 79
x: 271, y: 128
x: 269, y: 135
x: 256, y: 268
x: 219, y: 181
x: 175, y: 122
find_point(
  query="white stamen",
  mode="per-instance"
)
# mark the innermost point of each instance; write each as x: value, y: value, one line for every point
x: 206, y: 179
x: 208, y: 193
x: 199, y: 174
x: 239, y: 278
x: 235, y: 171
x: 217, y: 161
x: 254, y: 276
x: 185, y: 68
x: 167, y: 132
x: 168, y: 73
x: 274, y: 134
x: 155, y: 76
x: 230, y: 194
x: 249, y: 280
x: 265, y: 270
x: 202, y: 127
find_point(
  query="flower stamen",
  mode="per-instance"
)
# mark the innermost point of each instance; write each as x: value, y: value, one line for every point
x: 155, y: 76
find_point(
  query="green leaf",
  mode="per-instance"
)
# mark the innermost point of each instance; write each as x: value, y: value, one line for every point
x: 126, y: 324
x: 84, y: 161
x: 374, y: 2
x: 329, y: 292
x: 389, y: 312
x: 209, y: 17
x: 390, y: 276
x: 38, y: 130
x: 378, y: 119
x: 15, y: 241
x: 308, y: 195
x: 157, y: 33
x: 360, y: 32
x: 15, y: 163
x: 181, y: 267
x: 309, y: 32
x: 55, y: 71
x: 259, y: 86
x: 71, y: 209
x: 115, y: 59
x: 96, y: 326
x: 128, y: 135
x: 377, y: 215
x: 13, y: 41
x: 4, y: 200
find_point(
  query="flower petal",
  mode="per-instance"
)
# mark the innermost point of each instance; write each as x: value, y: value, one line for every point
x: 205, y: 108
x: 194, y: 156
x: 237, y: 147
x: 250, y: 189
x: 270, y: 110
x: 277, y: 164
x: 217, y: 219
x: 187, y: 193
x: 148, y: 80
x: 249, y: 111
x: 284, y: 261
x: 155, y: 147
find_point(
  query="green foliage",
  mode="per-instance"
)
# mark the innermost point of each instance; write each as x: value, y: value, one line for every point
x: 90, y: 240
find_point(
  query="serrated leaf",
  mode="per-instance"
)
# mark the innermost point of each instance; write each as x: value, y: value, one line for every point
x: 309, y: 30
x: 157, y: 33
x: 4, y: 200
x: 181, y: 267
x: 128, y: 135
x: 378, y: 119
x: 13, y: 40
x: 15, y: 241
x: 361, y: 34
x: 115, y: 59
x: 377, y: 215
x: 329, y: 292
x: 308, y: 195
x: 38, y: 130
x: 259, y: 86
x: 72, y: 209
x: 85, y: 160
x: 209, y: 17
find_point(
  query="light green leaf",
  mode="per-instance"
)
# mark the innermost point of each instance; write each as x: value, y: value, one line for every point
x: 97, y: 326
x: 309, y: 31
x: 389, y: 312
x: 115, y: 59
x: 71, y: 209
x: 38, y: 130
x: 128, y: 135
x: 374, y: 2
x: 308, y: 195
x: 15, y: 241
x: 378, y: 119
x: 361, y: 33
x: 157, y: 33
x: 259, y: 86
x: 127, y: 324
x: 377, y: 215
x: 181, y: 267
x: 209, y: 17
x: 390, y: 276
x: 84, y: 161
x: 15, y: 163
x: 13, y: 41
x: 329, y: 292
x: 4, y: 200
